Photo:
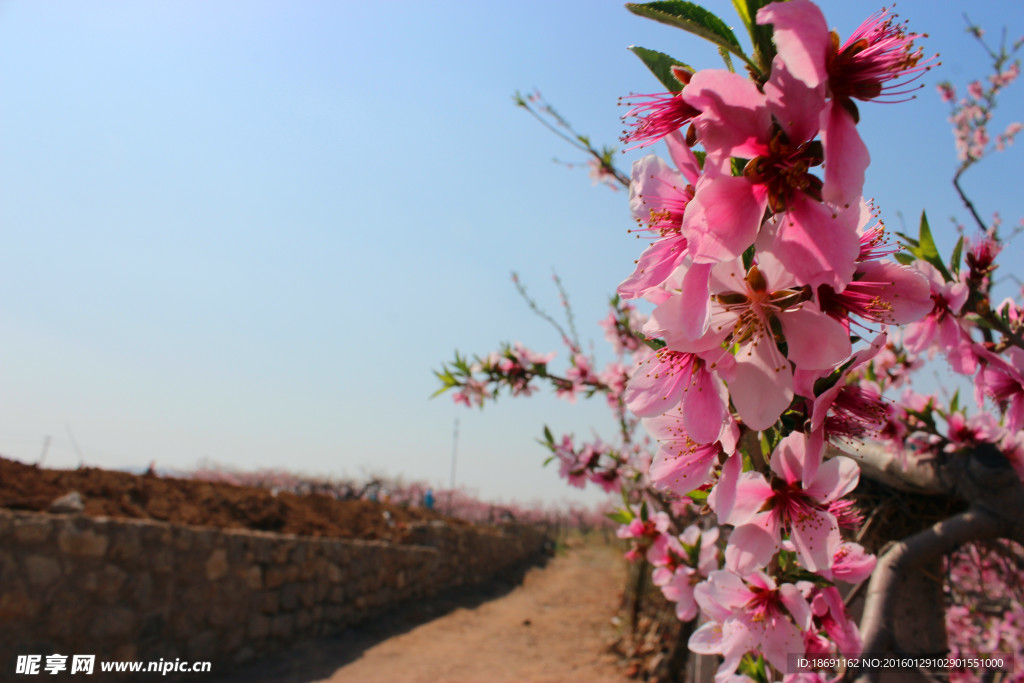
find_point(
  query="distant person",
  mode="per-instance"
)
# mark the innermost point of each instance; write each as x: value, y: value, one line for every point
x: 428, y: 499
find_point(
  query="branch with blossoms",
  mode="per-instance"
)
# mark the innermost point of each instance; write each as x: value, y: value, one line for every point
x: 601, y: 163
x: 783, y: 318
x: 971, y: 115
x: 768, y: 283
x: 519, y: 371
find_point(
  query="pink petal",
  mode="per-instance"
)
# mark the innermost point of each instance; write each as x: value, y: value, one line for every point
x: 762, y: 387
x: 815, y: 341
x: 752, y: 492
x: 817, y: 245
x: 1015, y: 413
x: 797, y: 605
x: 801, y: 36
x: 723, y: 218
x: 834, y: 479
x: 704, y: 407
x: 707, y: 640
x: 816, y: 537
x: 656, y: 386
x: 908, y: 294
x: 750, y: 548
x: 780, y: 639
x: 789, y: 458
x: 696, y: 297
x: 851, y: 564
x: 683, y: 157
x: 672, y: 316
x: 738, y: 638
x: 686, y: 607
x: 796, y: 106
x: 846, y: 156
x: 722, y: 498
x: 654, y: 267
x: 720, y: 594
x: 676, y: 467
x: 734, y: 119
x: 840, y: 629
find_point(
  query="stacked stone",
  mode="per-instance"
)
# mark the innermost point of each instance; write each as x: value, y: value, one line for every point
x: 145, y: 590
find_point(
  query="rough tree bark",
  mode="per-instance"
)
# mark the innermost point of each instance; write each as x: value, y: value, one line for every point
x: 904, y: 606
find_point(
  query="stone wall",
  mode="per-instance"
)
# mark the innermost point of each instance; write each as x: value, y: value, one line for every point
x: 144, y: 590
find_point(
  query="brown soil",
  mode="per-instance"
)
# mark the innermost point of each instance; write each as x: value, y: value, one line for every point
x: 185, y: 501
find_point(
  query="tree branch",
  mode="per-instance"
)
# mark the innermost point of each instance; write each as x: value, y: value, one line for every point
x: 912, y: 552
x: 964, y: 198
x: 995, y: 494
x: 878, y: 464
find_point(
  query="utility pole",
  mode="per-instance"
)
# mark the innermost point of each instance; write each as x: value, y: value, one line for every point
x: 455, y: 447
x: 74, y: 442
x: 46, y: 447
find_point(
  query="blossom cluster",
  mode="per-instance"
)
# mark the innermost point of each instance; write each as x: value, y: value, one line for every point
x: 987, y: 614
x: 784, y: 319
x: 765, y: 267
x: 778, y: 301
x: 971, y: 114
x: 520, y: 372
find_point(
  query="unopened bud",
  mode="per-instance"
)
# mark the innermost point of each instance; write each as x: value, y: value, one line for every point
x: 681, y: 74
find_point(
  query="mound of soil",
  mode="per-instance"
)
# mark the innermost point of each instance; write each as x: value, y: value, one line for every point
x: 108, y: 493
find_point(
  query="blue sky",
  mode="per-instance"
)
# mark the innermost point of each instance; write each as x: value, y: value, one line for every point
x: 248, y: 231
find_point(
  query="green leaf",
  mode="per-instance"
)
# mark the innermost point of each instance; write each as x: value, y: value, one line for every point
x: 798, y: 574
x: 661, y: 65
x: 954, y: 262
x: 743, y: 9
x: 754, y: 667
x: 620, y: 516
x: 924, y: 248
x: 748, y: 257
x: 652, y: 343
x: 954, y: 405
x: 925, y: 240
x: 692, y: 18
x: 447, y: 380
x: 724, y: 54
x: 927, y: 249
x: 698, y: 496
x: 903, y: 257
x: 910, y: 241
x: 547, y: 435
x: 760, y: 35
x: 736, y: 165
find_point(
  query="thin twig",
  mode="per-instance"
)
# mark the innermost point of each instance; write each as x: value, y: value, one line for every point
x: 965, y: 199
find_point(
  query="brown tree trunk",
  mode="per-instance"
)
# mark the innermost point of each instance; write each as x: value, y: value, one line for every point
x: 919, y: 621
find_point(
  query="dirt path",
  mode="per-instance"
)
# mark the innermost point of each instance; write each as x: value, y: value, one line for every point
x: 554, y: 627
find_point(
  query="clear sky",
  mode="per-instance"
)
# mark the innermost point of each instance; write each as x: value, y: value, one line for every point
x: 248, y: 231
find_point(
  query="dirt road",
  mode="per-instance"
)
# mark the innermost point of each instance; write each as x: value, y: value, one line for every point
x: 552, y: 628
